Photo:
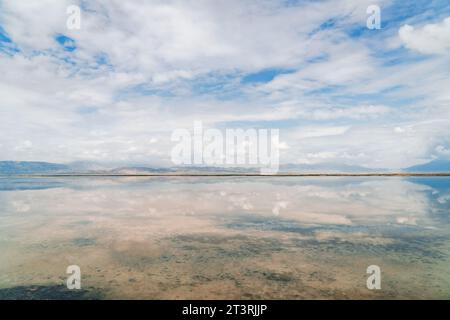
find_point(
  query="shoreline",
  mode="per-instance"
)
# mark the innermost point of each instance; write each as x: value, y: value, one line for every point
x: 363, y: 174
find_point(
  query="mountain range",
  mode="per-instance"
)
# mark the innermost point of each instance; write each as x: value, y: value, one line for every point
x: 33, y: 167
x: 440, y: 165
x: 30, y: 167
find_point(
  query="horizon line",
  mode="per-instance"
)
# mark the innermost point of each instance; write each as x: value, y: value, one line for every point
x: 284, y: 174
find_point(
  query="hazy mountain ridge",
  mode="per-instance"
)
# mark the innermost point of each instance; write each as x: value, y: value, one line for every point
x: 29, y: 167
x: 327, y: 168
x: 36, y: 167
x: 440, y: 165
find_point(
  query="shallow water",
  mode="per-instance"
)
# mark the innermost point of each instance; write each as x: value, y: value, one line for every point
x: 225, y: 238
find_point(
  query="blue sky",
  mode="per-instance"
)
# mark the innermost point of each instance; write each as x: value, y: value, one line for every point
x: 114, y: 90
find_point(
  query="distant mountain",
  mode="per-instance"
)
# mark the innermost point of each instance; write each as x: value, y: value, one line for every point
x: 442, y: 165
x: 216, y: 169
x: 286, y: 168
x: 182, y: 169
x: 89, y: 166
x: 33, y: 167
x: 30, y: 167
x: 139, y: 170
x: 327, y: 168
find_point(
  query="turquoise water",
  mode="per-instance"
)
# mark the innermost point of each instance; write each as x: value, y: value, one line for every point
x: 229, y: 237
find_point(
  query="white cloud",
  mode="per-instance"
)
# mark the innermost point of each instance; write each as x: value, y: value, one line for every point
x: 314, y: 132
x: 429, y: 39
x: 442, y: 150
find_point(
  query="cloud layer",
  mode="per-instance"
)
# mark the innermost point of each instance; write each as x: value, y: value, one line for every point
x: 114, y: 90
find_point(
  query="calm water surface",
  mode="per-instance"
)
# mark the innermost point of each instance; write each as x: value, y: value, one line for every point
x: 227, y: 238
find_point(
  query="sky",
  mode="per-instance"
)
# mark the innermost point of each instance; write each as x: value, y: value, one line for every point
x: 114, y: 90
